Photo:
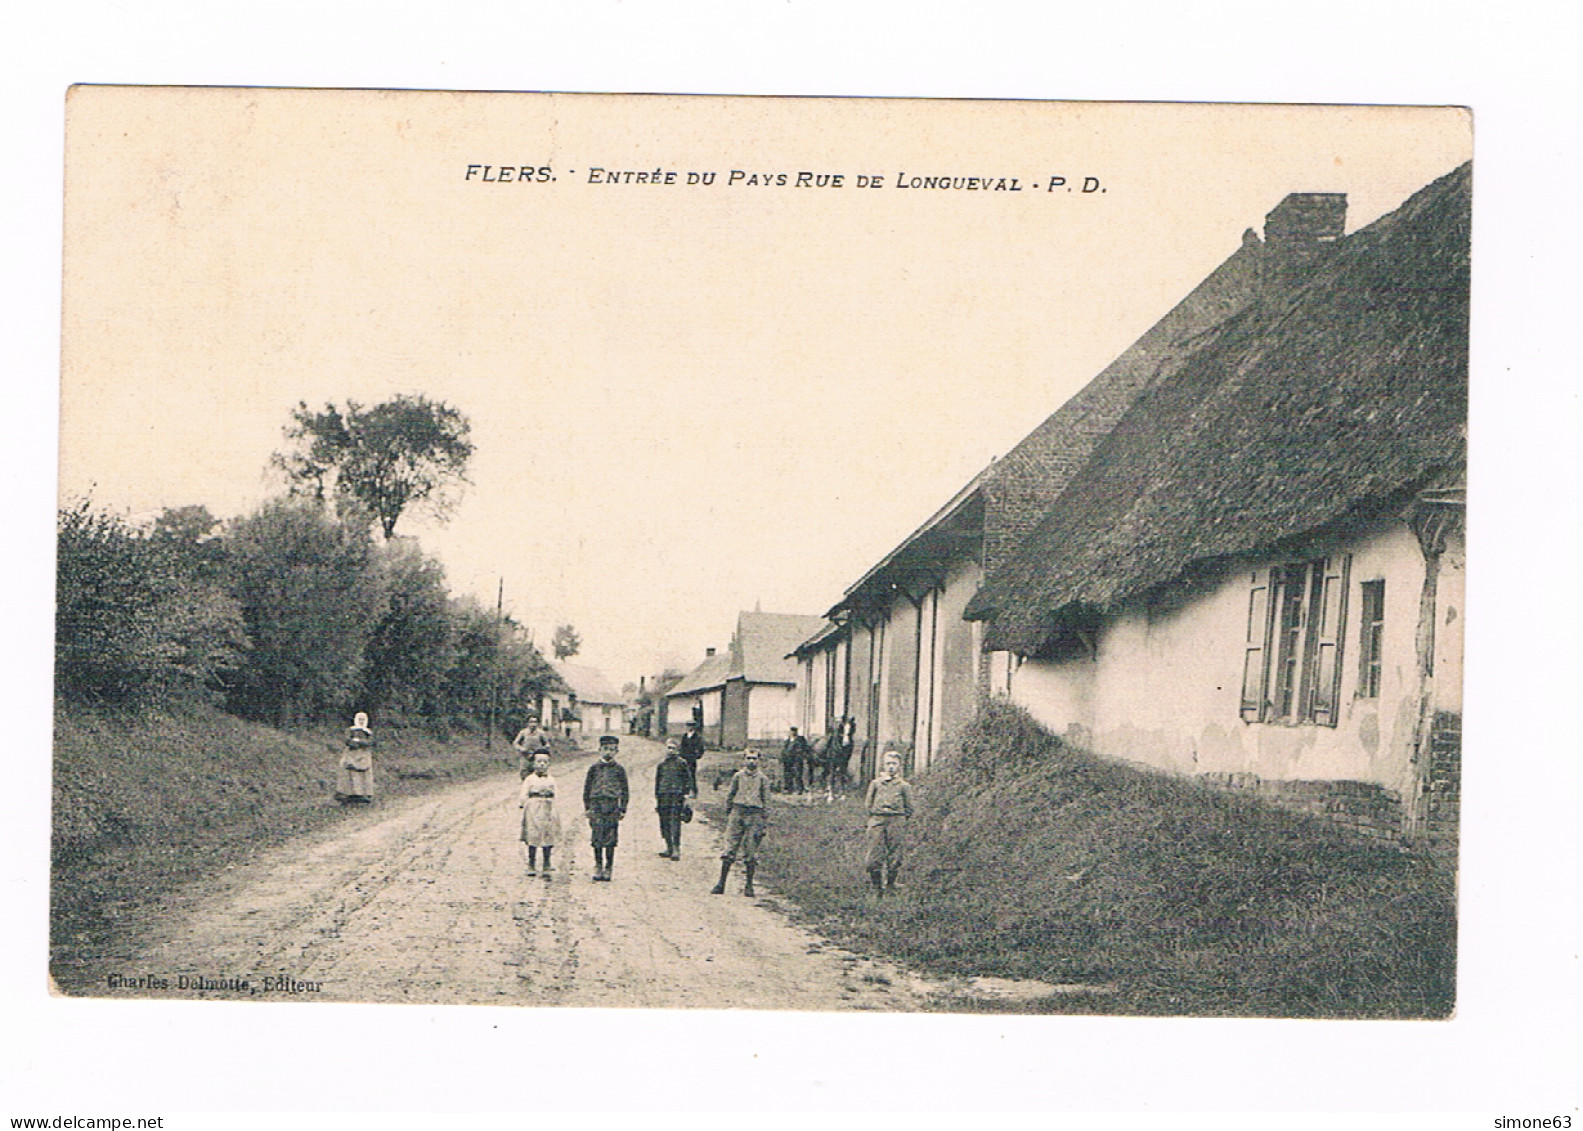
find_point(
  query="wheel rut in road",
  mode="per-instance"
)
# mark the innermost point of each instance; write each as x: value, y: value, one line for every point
x: 431, y: 902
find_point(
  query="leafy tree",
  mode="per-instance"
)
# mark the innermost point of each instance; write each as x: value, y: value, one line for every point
x: 136, y: 616
x: 201, y: 616
x: 413, y: 647
x: 405, y: 452
x: 108, y: 596
x: 495, y: 663
x: 565, y: 643
x: 312, y: 594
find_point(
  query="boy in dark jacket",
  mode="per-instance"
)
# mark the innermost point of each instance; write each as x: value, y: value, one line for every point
x: 670, y: 798
x: 605, y: 798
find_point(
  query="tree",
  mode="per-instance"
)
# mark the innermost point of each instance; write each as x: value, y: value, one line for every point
x: 139, y: 615
x: 565, y: 643
x: 311, y: 593
x: 408, y: 451
x: 495, y: 662
x: 413, y: 647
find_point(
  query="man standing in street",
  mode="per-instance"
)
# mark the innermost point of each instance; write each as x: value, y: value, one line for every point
x: 889, y: 805
x: 692, y: 749
x: 529, y: 741
x: 605, y: 797
x: 794, y: 763
x: 670, y: 798
x: 747, y: 802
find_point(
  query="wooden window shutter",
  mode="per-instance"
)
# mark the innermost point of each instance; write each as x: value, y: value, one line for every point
x: 1256, y: 649
x: 1328, y: 621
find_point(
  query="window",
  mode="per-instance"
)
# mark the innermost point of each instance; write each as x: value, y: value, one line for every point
x: 1291, y: 669
x: 1371, y: 632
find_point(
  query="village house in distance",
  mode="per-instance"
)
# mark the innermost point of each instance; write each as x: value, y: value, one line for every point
x: 746, y: 695
x: 1237, y: 554
x: 587, y: 704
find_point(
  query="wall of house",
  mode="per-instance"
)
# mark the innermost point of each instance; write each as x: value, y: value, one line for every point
x: 861, y: 659
x: 679, y: 712
x: 956, y: 657
x: 899, y: 682
x: 771, y: 712
x: 841, y: 702
x: 734, y: 715
x: 814, y: 677
x: 1451, y: 589
x: 1164, y: 687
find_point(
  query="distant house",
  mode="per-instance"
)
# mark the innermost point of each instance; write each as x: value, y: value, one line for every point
x: 589, y: 705
x: 699, y: 695
x: 1256, y: 576
x: 748, y: 694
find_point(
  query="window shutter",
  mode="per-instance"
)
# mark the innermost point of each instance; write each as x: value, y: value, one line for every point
x: 1256, y: 649
x: 1328, y: 621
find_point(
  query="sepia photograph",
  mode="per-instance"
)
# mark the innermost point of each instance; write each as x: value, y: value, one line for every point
x: 777, y: 554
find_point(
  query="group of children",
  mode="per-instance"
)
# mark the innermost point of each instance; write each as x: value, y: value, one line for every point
x: 606, y: 795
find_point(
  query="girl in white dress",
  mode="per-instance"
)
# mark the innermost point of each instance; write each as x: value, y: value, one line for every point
x: 540, y: 826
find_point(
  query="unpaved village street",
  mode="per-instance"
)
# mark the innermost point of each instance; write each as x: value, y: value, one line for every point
x: 429, y: 901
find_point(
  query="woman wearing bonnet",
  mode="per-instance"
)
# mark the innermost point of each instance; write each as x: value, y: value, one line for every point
x: 356, y: 783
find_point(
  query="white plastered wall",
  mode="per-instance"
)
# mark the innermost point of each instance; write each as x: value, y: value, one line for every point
x: 1164, y: 688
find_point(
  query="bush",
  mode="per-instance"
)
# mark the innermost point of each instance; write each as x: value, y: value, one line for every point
x: 311, y: 593
x: 135, y: 619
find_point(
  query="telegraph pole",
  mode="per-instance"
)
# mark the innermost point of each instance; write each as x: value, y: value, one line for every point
x: 494, y: 683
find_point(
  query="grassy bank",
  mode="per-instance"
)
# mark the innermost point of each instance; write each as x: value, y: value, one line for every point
x: 146, y: 802
x: 1032, y: 860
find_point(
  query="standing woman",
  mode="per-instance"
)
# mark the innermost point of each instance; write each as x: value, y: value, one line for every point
x: 357, y: 764
x: 540, y: 826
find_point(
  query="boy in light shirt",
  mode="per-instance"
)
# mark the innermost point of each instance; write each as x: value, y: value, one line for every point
x: 889, y: 806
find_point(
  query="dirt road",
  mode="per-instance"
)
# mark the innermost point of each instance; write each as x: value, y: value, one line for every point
x: 429, y: 902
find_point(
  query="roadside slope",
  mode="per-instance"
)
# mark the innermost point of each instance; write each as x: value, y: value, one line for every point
x: 146, y: 802
x: 1031, y: 860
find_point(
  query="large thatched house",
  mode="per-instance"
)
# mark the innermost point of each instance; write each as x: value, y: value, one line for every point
x: 1236, y: 553
x: 1257, y: 576
x: 898, y: 656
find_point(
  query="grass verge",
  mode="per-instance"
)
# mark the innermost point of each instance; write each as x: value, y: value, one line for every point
x: 1030, y: 859
x: 147, y: 802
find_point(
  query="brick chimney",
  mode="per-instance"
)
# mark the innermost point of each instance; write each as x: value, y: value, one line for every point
x: 1298, y: 232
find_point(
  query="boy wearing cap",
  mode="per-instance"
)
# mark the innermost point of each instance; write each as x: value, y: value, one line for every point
x: 692, y: 749
x: 605, y: 797
x: 747, y: 802
x: 670, y: 799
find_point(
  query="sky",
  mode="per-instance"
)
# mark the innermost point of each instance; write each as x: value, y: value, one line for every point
x: 686, y: 399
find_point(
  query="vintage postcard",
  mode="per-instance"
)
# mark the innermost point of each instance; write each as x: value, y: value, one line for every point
x: 761, y: 553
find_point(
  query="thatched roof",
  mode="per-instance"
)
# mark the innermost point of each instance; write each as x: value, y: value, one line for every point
x: 1311, y: 409
x: 588, y: 684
